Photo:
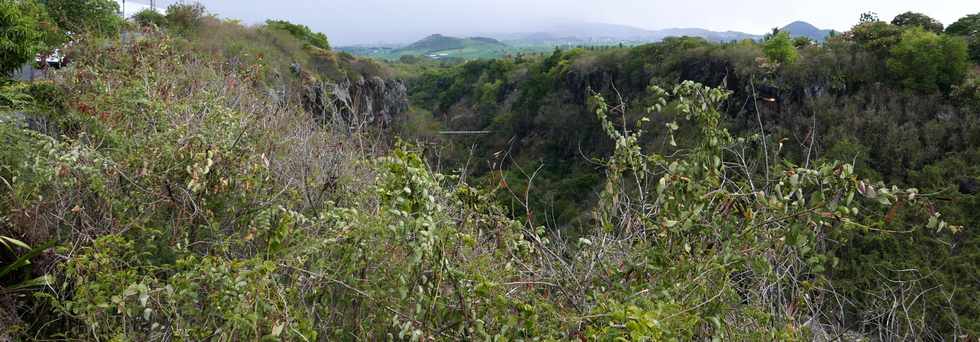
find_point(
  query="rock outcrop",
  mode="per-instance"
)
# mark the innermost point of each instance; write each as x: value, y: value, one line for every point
x: 371, y: 101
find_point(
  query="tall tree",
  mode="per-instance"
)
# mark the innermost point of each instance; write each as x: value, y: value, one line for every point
x: 780, y: 48
x: 969, y: 28
x: 19, y: 37
x: 913, y: 19
x: 966, y: 26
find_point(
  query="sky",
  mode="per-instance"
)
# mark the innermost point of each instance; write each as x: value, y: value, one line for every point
x: 348, y: 22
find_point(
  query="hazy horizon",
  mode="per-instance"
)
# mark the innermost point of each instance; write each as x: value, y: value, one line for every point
x: 391, y: 21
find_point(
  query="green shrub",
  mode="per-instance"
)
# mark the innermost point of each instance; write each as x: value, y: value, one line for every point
x: 301, y: 32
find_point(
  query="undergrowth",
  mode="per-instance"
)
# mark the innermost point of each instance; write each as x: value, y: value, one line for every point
x: 187, y: 203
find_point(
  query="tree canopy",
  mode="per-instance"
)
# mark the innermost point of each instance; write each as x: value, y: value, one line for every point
x: 913, y: 19
x: 968, y: 27
x: 926, y: 61
x: 877, y: 37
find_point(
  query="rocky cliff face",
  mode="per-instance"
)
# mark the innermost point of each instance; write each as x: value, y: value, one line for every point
x: 354, y: 104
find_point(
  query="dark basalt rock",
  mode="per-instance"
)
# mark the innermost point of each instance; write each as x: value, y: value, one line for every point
x: 371, y: 101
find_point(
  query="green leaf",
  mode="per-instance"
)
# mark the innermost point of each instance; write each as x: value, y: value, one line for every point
x: 24, y: 259
x: 9, y: 240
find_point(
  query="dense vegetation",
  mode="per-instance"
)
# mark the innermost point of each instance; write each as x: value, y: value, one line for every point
x: 900, y: 103
x: 197, y: 179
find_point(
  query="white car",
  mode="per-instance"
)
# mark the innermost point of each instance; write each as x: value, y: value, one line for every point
x: 55, y: 60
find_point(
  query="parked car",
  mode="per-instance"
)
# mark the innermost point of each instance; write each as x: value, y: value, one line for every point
x: 55, y: 60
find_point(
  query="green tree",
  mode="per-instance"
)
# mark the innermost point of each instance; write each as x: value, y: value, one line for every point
x: 185, y: 19
x: 928, y: 62
x: 969, y: 28
x: 150, y: 17
x: 85, y: 16
x: 876, y: 36
x: 19, y: 37
x: 780, y: 48
x: 801, y: 41
x: 966, y: 26
x: 913, y: 19
x: 302, y: 32
x: 52, y: 36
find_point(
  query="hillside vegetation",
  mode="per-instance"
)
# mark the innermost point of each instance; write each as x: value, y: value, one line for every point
x: 196, y: 179
x: 900, y: 104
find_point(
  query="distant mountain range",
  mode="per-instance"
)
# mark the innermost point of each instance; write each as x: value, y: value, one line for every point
x: 440, y: 46
x: 584, y: 33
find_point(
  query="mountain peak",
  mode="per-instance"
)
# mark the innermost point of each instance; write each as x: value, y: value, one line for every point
x: 799, y: 24
x: 804, y: 29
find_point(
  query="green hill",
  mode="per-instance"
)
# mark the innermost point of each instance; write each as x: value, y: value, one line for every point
x: 805, y: 29
x: 438, y: 46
